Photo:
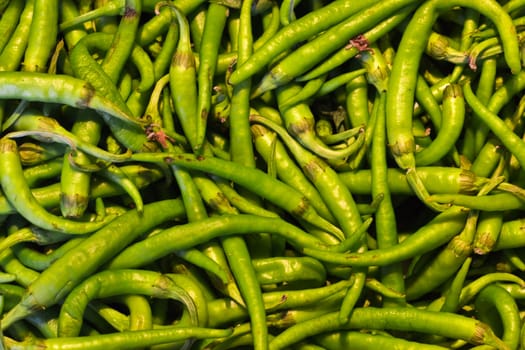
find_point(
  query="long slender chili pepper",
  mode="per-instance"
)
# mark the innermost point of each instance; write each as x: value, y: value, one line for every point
x: 209, y: 49
x: 42, y: 36
x: 473, y: 331
x: 9, y: 20
x: 19, y: 194
x: 435, y: 233
x: 13, y: 51
x: 234, y: 224
x: 404, y: 75
x: 117, y: 282
x: 267, y: 187
x: 295, y: 32
x: 65, y: 273
x: 124, y: 340
x: 58, y: 89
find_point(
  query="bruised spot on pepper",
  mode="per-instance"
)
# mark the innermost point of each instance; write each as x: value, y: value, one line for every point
x: 300, y: 127
x: 484, y: 243
x: 184, y: 59
x: 219, y: 201
x: 472, y: 63
x: 168, y: 160
x: 73, y: 204
x: 8, y: 145
x: 88, y: 92
x: 313, y: 168
x: 301, y: 208
x: 360, y: 42
x: 480, y: 333
x: 129, y: 12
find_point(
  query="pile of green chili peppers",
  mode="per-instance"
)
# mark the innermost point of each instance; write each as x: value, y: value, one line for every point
x: 262, y: 174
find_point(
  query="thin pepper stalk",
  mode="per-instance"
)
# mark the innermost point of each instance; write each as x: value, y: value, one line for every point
x: 110, y: 8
